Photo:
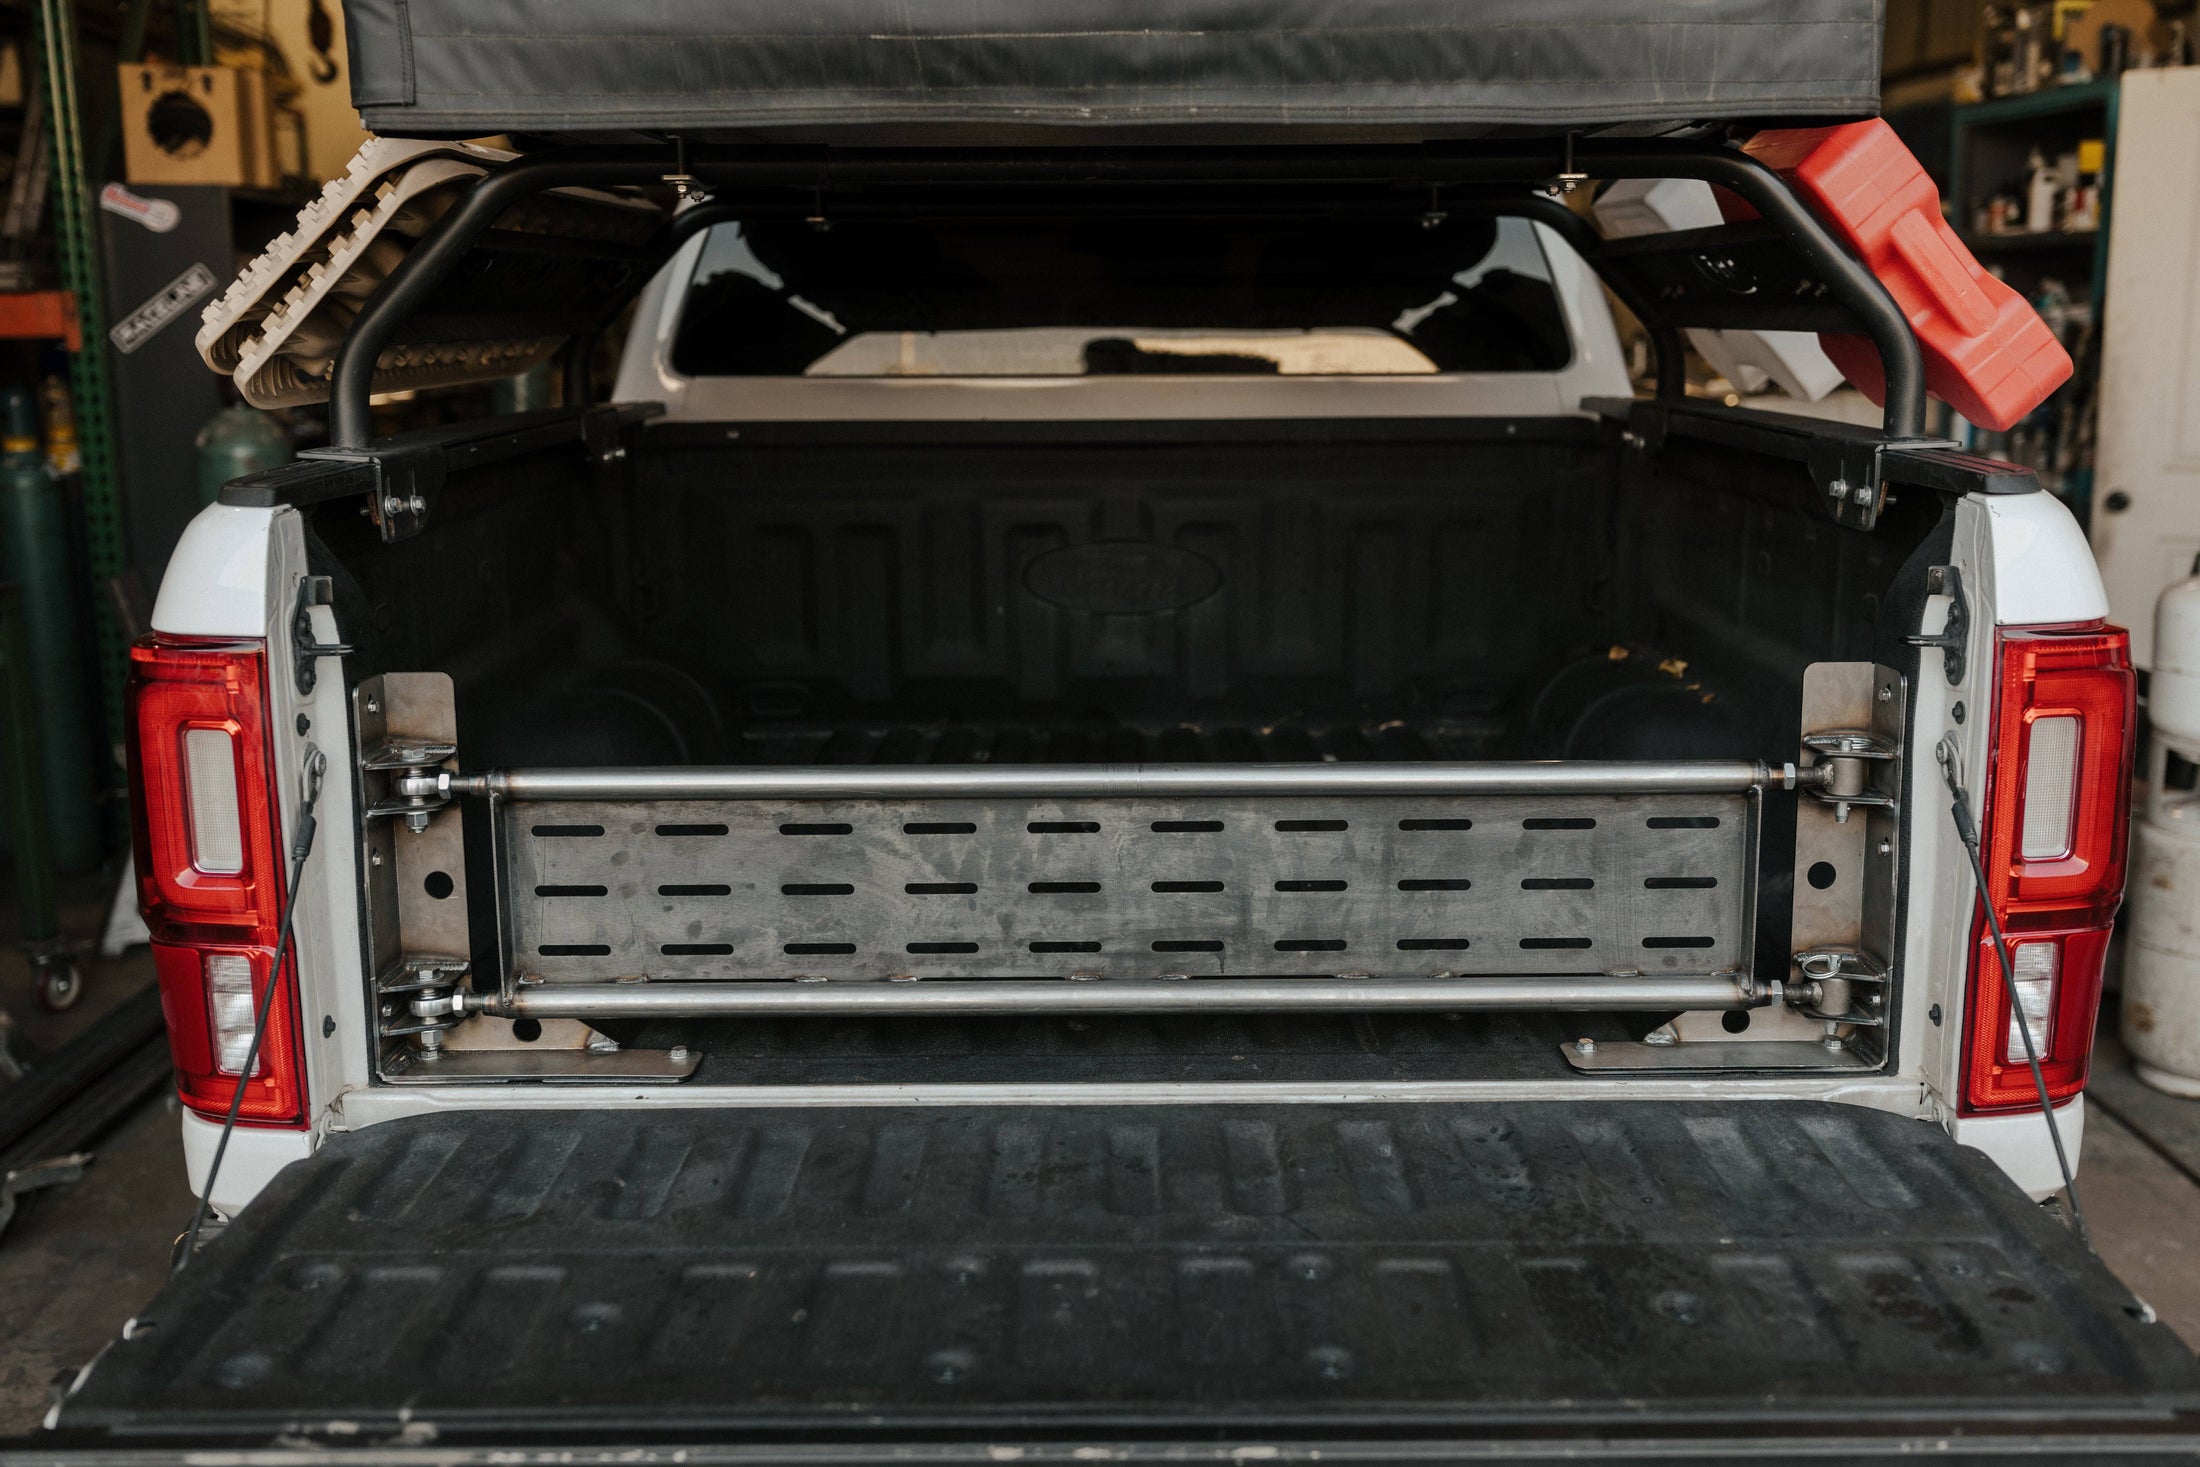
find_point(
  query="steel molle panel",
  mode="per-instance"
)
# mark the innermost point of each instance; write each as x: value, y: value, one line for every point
x: 1126, y: 887
x: 1533, y: 1267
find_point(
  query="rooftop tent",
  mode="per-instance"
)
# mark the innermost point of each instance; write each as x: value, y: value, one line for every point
x: 970, y: 71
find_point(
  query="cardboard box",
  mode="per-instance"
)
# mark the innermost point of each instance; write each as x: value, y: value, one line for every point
x: 186, y: 124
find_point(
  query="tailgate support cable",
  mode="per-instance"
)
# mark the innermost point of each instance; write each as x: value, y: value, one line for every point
x: 1967, y: 829
x: 316, y: 765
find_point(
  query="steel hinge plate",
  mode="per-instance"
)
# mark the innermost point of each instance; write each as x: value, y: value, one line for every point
x: 1954, y: 637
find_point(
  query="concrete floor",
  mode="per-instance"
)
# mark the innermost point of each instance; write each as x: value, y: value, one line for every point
x: 80, y: 1260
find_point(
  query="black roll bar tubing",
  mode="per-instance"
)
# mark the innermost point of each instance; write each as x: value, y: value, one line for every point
x: 430, y: 263
x: 682, y: 227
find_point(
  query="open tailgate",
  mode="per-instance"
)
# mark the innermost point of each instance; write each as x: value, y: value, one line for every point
x: 971, y: 1280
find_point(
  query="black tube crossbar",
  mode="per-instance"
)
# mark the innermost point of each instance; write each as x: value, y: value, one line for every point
x: 820, y: 173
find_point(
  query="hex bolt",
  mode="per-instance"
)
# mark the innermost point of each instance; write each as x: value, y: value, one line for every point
x: 392, y: 506
x: 678, y: 1054
x: 1585, y: 1045
x: 1838, y: 489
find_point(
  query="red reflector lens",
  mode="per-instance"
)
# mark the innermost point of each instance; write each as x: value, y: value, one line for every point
x: 210, y: 879
x: 2057, y: 823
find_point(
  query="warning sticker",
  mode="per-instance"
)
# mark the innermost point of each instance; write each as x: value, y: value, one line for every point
x: 169, y: 302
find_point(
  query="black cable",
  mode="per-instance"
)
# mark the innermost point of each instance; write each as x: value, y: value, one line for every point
x: 300, y: 847
x: 1967, y: 829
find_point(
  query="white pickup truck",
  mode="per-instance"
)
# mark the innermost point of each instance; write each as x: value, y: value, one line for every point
x: 1120, y: 796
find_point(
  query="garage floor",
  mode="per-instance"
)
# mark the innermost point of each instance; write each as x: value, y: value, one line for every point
x: 79, y: 1260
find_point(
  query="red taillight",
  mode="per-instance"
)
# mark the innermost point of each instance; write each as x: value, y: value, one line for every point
x: 2057, y: 823
x: 209, y: 869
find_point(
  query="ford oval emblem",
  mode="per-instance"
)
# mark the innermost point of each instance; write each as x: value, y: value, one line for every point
x: 1122, y: 577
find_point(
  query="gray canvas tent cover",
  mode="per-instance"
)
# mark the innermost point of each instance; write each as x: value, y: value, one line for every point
x: 905, y: 71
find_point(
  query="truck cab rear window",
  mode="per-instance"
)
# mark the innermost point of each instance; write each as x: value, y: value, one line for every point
x: 1078, y: 298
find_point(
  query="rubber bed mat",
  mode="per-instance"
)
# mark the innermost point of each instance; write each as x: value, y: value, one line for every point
x: 1003, y: 1273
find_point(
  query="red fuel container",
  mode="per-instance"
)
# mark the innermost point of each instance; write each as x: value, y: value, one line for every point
x: 1987, y: 352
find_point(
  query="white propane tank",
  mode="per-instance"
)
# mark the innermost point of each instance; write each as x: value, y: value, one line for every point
x: 2162, y: 939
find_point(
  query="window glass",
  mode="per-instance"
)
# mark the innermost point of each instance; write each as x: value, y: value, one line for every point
x: 1387, y: 297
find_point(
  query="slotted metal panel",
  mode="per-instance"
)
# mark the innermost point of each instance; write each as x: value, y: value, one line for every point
x: 1128, y: 887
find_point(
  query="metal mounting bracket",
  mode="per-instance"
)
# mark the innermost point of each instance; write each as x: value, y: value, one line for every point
x: 1776, y: 1037
x: 1855, y: 767
x: 414, y: 783
x: 418, y: 996
x: 1852, y: 473
x: 586, y: 1065
x: 1840, y: 985
x: 401, y: 477
x: 1954, y: 636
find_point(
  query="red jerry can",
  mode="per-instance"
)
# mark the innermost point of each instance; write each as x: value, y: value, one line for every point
x: 1987, y: 353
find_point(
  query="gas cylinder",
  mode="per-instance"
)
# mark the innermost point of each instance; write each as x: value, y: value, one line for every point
x: 35, y: 555
x: 2161, y: 1021
x: 236, y: 441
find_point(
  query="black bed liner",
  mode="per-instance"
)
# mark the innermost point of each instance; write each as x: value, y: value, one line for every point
x: 1582, y: 1271
x: 992, y: 71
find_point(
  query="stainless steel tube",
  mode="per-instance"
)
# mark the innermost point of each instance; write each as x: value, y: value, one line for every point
x: 1103, y: 781
x: 1112, y: 996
